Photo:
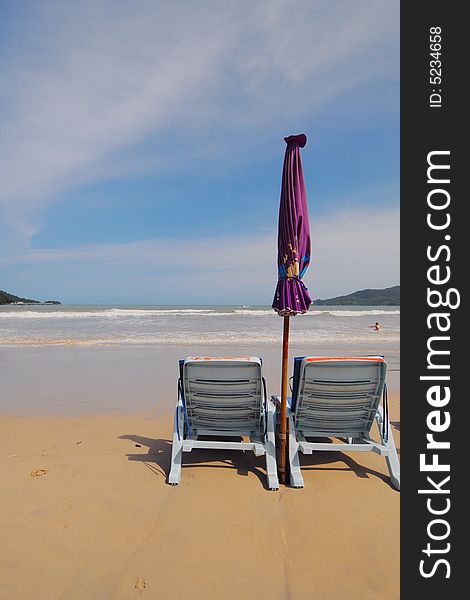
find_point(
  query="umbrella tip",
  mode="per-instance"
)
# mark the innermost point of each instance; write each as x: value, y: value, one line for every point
x: 300, y: 139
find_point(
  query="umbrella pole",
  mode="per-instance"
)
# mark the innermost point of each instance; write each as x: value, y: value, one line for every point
x: 283, y: 423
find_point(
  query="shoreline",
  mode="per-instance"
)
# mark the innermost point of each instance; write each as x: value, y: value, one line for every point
x: 124, y: 380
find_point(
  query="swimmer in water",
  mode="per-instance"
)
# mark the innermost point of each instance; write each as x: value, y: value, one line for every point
x: 376, y: 327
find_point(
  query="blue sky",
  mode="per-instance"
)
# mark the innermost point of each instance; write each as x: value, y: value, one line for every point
x: 142, y: 147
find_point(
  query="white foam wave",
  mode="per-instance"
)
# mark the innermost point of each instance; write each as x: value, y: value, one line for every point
x: 206, y: 339
x: 254, y: 312
x: 322, y: 313
x: 108, y: 313
x: 115, y: 313
x: 359, y: 313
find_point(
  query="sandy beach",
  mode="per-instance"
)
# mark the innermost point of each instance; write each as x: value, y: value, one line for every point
x: 86, y: 512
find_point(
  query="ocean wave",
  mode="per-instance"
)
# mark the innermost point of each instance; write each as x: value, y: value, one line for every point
x: 115, y: 313
x: 359, y: 313
x: 108, y: 313
x: 205, y: 339
x: 320, y: 313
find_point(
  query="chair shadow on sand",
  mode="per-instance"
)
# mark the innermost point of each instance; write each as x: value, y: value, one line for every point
x: 158, y: 456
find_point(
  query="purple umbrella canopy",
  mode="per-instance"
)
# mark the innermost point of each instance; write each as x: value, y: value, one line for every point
x: 293, y: 241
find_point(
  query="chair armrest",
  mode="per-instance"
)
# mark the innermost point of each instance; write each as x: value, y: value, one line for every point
x: 277, y: 402
x: 180, y: 395
x: 271, y: 407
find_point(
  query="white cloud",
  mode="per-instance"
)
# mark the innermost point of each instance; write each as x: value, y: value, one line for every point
x: 355, y: 250
x: 350, y: 251
x: 88, y: 80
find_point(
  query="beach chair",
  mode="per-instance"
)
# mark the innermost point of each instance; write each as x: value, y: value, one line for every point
x: 223, y: 398
x: 339, y: 398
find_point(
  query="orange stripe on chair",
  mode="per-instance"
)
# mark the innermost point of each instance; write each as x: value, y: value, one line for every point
x: 365, y: 358
x: 220, y: 358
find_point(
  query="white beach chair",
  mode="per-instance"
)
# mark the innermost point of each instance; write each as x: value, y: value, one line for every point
x: 223, y: 397
x: 339, y: 398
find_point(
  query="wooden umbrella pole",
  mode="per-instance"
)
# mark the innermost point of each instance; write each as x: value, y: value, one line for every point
x: 283, y: 423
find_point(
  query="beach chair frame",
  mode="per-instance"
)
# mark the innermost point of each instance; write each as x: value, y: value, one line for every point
x: 223, y: 397
x: 339, y: 398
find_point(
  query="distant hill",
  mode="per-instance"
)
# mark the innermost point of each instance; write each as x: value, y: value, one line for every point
x: 386, y: 297
x: 6, y: 298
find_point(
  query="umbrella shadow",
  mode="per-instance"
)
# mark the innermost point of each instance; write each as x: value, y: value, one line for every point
x: 317, y: 460
x: 158, y: 458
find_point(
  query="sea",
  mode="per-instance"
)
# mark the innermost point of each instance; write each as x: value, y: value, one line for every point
x: 87, y: 325
x: 64, y: 359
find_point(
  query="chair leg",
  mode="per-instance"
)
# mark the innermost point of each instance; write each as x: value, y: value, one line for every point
x: 393, y: 463
x: 270, y: 445
x: 296, y: 479
x: 176, y: 460
x: 174, y: 476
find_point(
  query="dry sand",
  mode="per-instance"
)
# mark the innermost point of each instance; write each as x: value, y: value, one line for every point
x: 86, y: 514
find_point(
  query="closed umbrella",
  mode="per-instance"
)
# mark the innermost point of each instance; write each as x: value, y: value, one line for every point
x: 291, y: 296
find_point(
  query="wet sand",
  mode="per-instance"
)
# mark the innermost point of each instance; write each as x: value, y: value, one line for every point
x: 72, y: 381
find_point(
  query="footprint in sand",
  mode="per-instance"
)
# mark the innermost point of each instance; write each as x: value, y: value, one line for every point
x: 38, y: 472
x: 140, y: 584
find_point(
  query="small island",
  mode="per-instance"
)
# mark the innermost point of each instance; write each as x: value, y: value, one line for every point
x: 6, y: 298
x: 370, y: 297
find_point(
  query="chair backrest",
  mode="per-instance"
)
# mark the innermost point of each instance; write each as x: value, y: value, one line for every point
x: 222, y: 394
x: 337, y: 396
